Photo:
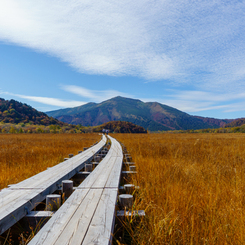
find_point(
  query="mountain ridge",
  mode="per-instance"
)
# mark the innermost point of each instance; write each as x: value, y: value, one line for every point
x: 153, y: 116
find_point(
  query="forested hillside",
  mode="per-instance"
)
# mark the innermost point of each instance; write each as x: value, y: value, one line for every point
x: 12, y: 111
x: 120, y: 127
x: 236, y: 123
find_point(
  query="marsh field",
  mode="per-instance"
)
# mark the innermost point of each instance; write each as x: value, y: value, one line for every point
x: 191, y: 185
x: 24, y: 155
x: 192, y: 188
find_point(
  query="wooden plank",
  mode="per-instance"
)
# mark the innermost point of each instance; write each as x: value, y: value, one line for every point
x: 15, y: 205
x: 115, y: 175
x: 19, y: 199
x: 40, y: 214
x: 91, y: 219
x: 88, y: 216
x: 103, y: 174
x: 98, y: 174
x: 77, y: 227
x: 64, y: 170
x: 56, y: 225
x: 107, y: 174
x: 134, y: 213
x: 102, y: 225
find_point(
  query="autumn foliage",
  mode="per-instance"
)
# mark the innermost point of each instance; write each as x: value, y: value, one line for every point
x: 12, y: 111
x: 120, y: 127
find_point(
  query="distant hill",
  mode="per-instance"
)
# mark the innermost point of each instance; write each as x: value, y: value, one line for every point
x: 150, y: 115
x: 217, y: 123
x: 236, y: 123
x: 120, y: 127
x: 12, y: 111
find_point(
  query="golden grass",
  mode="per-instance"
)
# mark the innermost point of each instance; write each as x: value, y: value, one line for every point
x: 191, y: 185
x: 192, y: 188
x: 22, y: 156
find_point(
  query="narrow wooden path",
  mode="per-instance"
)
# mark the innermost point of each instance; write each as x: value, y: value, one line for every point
x: 18, y: 200
x: 88, y: 216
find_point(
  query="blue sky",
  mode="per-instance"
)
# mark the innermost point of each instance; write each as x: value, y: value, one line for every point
x: 186, y: 54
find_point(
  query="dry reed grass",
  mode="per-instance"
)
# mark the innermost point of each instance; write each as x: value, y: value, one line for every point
x: 22, y: 156
x: 191, y: 186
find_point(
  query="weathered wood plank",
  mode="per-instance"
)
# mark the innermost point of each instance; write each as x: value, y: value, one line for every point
x: 99, y: 173
x: 77, y: 227
x: 15, y: 205
x: 64, y: 170
x: 102, y: 225
x: 19, y: 199
x: 115, y: 175
x: 107, y: 173
x: 56, y: 225
x: 91, y: 219
x: 88, y: 215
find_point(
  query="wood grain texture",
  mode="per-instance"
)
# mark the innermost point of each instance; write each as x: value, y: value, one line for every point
x: 51, y: 232
x: 88, y: 215
x: 102, y: 225
x: 17, y: 200
x: 80, y: 222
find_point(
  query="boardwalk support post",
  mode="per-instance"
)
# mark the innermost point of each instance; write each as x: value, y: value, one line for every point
x: 88, y: 167
x: 126, y: 175
x: 53, y: 202
x: 126, y: 201
x: 129, y: 188
x: 97, y: 158
x: 67, y: 187
x: 132, y: 168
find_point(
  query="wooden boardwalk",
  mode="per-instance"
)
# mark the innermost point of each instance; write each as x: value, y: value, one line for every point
x: 18, y: 200
x: 88, y: 215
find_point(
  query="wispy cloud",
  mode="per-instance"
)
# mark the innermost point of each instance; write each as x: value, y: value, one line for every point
x: 94, y: 95
x: 47, y: 100
x: 186, y: 101
x: 198, y: 101
x: 195, y: 42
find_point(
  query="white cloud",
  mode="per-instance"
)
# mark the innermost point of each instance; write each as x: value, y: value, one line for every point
x: 95, y: 95
x: 52, y: 101
x: 48, y: 100
x: 83, y: 92
x: 195, y: 42
x: 205, y: 96
x: 199, y: 101
x: 92, y: 95
x: 186, y: 101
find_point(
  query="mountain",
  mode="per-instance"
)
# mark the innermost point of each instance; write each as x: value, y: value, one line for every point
x: 217, y: 123
x: 12, y: 111
x: 150, y: 115
x: 236, y: 123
